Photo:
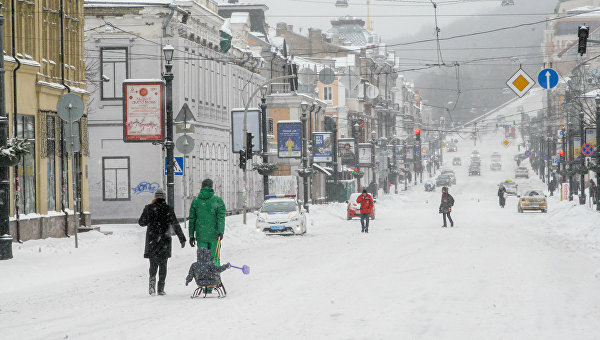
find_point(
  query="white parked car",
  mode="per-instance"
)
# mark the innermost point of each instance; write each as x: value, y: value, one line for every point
x: 521, y: 172
x: 281, y: 215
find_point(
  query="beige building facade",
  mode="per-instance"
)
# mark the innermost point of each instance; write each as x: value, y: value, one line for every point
x: 36, y: 77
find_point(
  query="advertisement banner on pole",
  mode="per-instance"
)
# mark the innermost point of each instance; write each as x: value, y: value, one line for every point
x: 252, y: 126
x: 399, y: 153
x: 366, y: 155
x: 143, y: 111
x: 577, y: 146
x: 590, y: 136
x: 409, y: 153
x: 346, y: 150
x: 322, y: 147
x: 289, y: 139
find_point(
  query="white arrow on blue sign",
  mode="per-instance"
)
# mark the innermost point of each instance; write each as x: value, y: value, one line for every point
x: 548, y: 78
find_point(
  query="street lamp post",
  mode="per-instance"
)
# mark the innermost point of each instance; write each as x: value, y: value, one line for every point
x: 374, y: 168
x: 582, y: 175
x: 168, y: 76
x: 335, y: 158
x: 265, y: 153
x: 571, y: 150
x: 356, y: 132
x: 5, y: 238
x: 404, y: 172
x: 304, y: 107
x: 394, y: 166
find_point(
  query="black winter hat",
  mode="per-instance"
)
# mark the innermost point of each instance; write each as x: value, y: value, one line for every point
x: 207, y: 183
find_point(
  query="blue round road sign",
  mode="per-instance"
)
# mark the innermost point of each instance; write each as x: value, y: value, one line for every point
x: 587, y: 149
x: 548, y: 78
x: 527, y: 153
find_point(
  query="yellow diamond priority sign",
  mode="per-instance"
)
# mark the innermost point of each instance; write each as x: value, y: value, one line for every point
x: 506, y: 143
x: 520, y: 83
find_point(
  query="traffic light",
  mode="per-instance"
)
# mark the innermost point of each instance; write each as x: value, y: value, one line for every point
x: 249, y: 145
x: 562, y: 154
x: 243, y: 159
x: 583, y: 32
x: 418, y: 135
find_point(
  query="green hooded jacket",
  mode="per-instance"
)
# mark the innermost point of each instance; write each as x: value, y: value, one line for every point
x: 207, y: 216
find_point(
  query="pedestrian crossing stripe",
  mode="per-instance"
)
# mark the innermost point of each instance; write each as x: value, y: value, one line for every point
x: 177, y: 167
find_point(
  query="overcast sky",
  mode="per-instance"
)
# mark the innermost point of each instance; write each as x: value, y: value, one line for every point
x: 391, y: 19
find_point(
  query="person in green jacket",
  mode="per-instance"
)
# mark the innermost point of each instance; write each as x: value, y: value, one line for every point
x: 207, y: 220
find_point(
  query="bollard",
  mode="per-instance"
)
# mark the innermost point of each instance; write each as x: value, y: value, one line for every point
x: 6, y: 247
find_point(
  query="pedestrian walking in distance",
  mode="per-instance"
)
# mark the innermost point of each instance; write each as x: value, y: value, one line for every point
x: 502, y: 195
x: 207, y: 220
x: 446, y: 206
x: 366, y: 208
x: 159, y: 218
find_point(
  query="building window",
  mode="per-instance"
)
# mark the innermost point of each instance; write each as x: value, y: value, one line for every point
x: 26, y: 130
x: 51, y: 169
x: 115, y: 179
x: 327, y: 93
x: 114, y: 66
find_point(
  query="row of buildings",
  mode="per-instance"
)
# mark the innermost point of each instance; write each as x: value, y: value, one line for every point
x: 223, y: 53
x: 568, y: 118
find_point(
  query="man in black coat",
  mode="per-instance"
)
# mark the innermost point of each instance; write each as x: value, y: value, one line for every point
x: 446, y: 206
x: 501, y: 194
x: 159, y: 217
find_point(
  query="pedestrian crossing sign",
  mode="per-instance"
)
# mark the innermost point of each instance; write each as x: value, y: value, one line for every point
x: 177, y: 167
x: 520, y: 83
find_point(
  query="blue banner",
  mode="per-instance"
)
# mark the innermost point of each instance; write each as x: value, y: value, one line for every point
x: 289, y: 139
x: 322, y: 147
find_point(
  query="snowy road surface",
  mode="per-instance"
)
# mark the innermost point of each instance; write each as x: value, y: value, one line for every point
x: 496, y: 275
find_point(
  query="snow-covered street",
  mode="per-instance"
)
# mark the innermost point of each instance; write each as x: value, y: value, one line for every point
x: 497, y: 274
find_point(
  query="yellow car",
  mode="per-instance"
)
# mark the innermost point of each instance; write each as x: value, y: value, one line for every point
x: 532, y: 200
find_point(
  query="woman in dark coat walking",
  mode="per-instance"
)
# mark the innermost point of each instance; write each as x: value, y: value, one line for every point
x: 158, y: 216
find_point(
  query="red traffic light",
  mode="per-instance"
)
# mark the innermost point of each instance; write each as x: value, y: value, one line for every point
x: 418, y: 131
x: 562, y: 153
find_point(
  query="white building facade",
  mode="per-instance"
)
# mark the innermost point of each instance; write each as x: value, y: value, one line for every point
x: 125, y: 41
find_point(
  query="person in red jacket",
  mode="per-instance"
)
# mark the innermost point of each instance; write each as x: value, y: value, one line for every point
x: 366, y: 208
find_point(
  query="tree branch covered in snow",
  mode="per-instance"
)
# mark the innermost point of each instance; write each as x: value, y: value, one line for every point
x: 15, y: 148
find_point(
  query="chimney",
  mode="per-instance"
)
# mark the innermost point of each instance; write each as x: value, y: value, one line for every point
x: 280, y: 29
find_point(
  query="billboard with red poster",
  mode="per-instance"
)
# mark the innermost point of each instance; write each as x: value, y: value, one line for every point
x: 143, y: 110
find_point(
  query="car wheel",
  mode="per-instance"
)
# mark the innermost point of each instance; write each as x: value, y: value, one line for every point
x: 520, y: 210
x: 545, y: 211
x: 372, y: 217
x: 348, y: 217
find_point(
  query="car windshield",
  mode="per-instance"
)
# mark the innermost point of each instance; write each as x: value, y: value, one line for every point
x: 522, y: 169
x: 279, y: 206
x: 532, y: 193
x: 443, y: 177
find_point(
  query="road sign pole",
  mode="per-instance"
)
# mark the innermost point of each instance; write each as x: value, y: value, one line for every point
x: 74, y: 174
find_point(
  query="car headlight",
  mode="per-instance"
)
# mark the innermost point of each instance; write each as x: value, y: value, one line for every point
x: 260, y: 220
x: 295, y: 219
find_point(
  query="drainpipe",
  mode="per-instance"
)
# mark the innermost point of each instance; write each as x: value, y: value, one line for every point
x: 62, y: 125
x: 14, y: 134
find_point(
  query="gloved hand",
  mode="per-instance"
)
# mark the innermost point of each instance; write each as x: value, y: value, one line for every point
x: 228, y: 265
x: 440, y: 211
x: 186, y: 283
x: 192, y: 242
x: 220, y: 236
x: 182, y: 243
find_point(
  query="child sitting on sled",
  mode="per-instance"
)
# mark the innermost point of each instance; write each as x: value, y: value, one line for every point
x: 204, y: 271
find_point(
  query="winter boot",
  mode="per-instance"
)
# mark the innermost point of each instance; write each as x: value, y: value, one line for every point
x: 152, y: 289
x: 161, y: 288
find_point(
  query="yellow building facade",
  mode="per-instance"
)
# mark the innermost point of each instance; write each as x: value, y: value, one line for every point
x: 37, y: 75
